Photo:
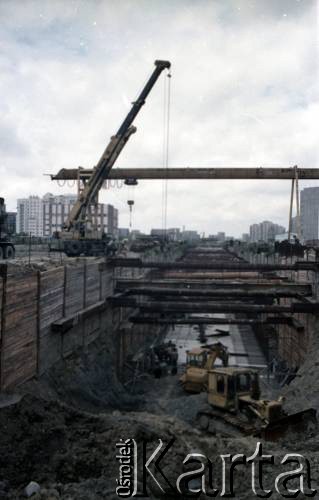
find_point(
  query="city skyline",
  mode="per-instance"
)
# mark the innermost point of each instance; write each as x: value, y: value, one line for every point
x: 244, y: 91
x: 255, y: 227
x: 44, y: 216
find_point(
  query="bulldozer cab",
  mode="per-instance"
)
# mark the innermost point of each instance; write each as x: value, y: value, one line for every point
x: 196, y: 358
x: 226, y: 385
x: 206, y: 357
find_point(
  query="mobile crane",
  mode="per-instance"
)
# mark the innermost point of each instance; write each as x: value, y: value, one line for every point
x: 79, y: 235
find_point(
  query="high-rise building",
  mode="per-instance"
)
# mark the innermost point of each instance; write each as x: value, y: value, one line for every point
x: 30, y: 216
x: 190, y: 235
x: 12, y: 222
x: 255, y: 232
x: 173, y: 233
x: 221, y: 237
x: 56, y: 209
x: 44, y: 217
x: 265, y: 231
x: 309, y: 210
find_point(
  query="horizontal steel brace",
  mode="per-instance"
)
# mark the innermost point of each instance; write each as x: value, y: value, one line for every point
x: 225, y: 293
x: 215, y: 307
x: 219, y: 276
x: 296, y: 288
x: 214, y: 266
x: 202, y: 320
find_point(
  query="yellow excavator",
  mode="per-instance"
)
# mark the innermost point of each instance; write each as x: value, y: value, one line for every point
x: 198, y: 362
x: 234, y: 398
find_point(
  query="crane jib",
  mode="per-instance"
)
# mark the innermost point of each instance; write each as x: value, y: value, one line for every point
x: 160, y: 66
x: 112, y: 151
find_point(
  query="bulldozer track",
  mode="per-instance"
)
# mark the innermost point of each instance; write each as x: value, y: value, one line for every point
x: 233, y: 420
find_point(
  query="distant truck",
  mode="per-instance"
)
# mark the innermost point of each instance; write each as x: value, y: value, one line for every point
x: 7, y: 250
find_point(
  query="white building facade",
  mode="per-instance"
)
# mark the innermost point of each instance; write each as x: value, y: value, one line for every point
x: 309, y: 211
x: 265, y: 231
x: 30, y: 216
x: 44, y: 217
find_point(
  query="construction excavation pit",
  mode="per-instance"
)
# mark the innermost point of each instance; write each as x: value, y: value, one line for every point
x: 183, y: 355
x: 149, y: 347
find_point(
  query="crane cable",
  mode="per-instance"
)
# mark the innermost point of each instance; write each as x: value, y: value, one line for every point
x: 166, y: 132
x: 131, y: 202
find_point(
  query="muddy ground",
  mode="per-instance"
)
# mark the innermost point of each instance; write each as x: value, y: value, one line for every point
x: 63, y: 434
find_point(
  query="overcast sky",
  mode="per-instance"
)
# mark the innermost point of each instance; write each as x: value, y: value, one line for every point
x: 243, y: 93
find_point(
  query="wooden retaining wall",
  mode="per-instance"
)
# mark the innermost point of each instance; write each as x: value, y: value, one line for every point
x: 30, y: 301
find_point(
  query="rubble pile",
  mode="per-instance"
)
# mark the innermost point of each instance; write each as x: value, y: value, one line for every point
x: 303, y: 391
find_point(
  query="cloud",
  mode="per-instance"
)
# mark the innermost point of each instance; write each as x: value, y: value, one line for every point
x: 244, y: 93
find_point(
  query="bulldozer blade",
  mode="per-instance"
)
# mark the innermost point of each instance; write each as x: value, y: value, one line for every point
x: 296, y: 422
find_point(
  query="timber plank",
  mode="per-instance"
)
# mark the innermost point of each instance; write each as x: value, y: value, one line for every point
x: 51, y: 299
x: 19, y: 339
x: 74, y: 289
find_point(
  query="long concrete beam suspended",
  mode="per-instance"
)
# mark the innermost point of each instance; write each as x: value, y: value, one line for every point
x: 194, y: 173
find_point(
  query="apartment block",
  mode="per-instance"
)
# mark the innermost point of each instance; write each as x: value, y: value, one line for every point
x: 44, y: 217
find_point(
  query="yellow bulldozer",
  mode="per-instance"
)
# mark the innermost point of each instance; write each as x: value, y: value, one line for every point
x: 234, y: 398
x: 198, y: 362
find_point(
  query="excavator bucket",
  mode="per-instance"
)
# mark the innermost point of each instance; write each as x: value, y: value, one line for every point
x: 302, y: 421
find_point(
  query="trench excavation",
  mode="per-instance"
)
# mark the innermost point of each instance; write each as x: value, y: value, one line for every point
x: 102, y: 356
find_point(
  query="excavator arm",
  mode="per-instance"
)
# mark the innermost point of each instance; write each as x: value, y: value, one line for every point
x: 218, y: 351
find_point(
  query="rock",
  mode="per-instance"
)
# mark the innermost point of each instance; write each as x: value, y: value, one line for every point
x: 31, y: 489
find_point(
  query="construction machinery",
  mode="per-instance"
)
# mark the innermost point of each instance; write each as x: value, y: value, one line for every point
x: 198, y: 363
x: 7, y: 250
x: 80, y: 234
x: 234, y: 398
